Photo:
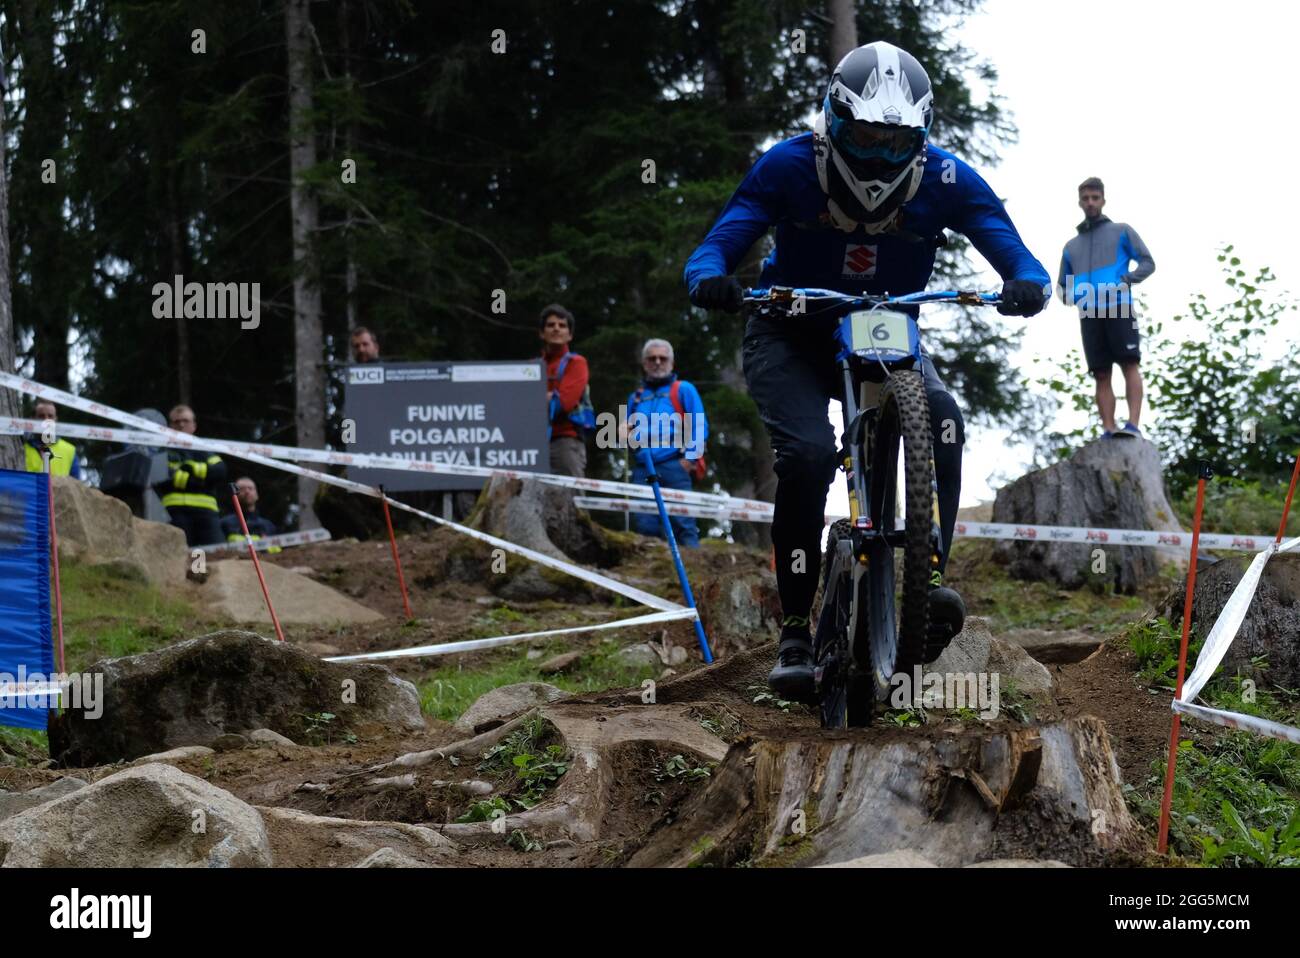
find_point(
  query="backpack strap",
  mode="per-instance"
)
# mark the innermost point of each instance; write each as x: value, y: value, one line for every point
x: 674, y: 396
x: 564, y: 363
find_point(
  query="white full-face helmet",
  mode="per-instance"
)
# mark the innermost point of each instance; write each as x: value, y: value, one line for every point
x: 870, y: 135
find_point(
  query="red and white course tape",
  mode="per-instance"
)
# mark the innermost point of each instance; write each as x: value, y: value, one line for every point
x: 259, y: 452
x: 162, y: 436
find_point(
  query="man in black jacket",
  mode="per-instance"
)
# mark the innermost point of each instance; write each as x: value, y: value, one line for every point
x: 259, y: 527
x: 194, y: 479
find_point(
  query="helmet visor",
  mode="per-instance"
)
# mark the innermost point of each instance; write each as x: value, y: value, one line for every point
x: 860, y: 140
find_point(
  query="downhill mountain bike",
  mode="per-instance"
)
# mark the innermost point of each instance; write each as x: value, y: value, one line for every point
x: 874, y: 614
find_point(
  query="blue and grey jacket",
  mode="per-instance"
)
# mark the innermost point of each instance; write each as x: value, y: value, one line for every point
x: 1095, y: 267
x: 782, y: 190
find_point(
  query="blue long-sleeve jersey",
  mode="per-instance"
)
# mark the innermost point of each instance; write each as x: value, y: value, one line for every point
x: 782, y: 190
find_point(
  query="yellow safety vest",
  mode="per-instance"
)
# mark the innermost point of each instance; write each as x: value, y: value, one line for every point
x: 62, y: 455
x: 177, y: 496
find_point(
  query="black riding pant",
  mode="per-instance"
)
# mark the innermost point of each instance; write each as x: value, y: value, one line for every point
x: 792, y: 376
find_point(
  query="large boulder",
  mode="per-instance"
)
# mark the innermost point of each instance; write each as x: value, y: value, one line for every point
x: 15, y: 803
x: 1270, y: 632
x: 99, y: 530
x: 153, y: 816
x: 232, y: 590
x: 300, y: 839
x: 1109, y: 483
x: 195, y: 691
x: 492, y: 708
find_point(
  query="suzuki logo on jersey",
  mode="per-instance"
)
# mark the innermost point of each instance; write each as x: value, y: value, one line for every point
x: 859, y: 261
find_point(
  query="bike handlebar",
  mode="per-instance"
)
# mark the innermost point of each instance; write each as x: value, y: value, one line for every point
x: 777, y: 295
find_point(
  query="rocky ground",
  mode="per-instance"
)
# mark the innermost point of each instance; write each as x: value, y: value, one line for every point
x: 609, y: 749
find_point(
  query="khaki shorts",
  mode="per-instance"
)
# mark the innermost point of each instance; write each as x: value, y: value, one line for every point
x: 569, y: 457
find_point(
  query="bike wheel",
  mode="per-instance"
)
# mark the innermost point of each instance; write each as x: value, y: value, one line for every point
x: 845, y: 695
x: 899, y: 599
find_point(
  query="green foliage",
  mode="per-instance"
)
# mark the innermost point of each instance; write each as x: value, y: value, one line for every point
x: 486, y: 810
x: 1246, y: 506
x: 1217, y: 397
x: 536, y: 766
x: 1156, y: 643
x: 319, y: 729
x: 762, y: 695
x: 1240, y: 843
x: 520, y: 841
x: 679, y: 768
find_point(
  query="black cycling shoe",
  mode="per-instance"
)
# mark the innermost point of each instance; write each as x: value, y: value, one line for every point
x: 792, y: 676
x: 947, y: 616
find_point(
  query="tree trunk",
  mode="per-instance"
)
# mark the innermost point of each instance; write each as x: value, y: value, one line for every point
x: 184, y: 383
x: 844, y: 29
x: 48, y: 307
x: 10, y: 449
x: 309, y: 340
x: 349, y: 144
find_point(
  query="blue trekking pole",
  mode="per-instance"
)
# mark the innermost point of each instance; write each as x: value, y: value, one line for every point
x: 653, y: 479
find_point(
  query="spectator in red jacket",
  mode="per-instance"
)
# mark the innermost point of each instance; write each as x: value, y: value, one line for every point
x: 566, y: 381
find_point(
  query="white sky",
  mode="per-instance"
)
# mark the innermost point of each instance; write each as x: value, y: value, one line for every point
x: 1185, y: 110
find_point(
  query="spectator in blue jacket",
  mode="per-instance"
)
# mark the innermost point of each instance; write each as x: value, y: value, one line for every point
x: 667, y: 415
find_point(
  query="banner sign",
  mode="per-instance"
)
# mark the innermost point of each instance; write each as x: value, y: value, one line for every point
x: 482, y: 414
x: 26, y: 656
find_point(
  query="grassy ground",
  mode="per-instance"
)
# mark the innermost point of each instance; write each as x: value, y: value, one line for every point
x: 449, y: 691
x: 1015, y: 604
x: 108, y: 615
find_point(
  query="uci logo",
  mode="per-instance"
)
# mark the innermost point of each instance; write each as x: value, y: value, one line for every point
x: 365, y: 375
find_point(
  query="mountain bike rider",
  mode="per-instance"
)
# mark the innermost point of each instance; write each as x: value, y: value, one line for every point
x: 860, y: 206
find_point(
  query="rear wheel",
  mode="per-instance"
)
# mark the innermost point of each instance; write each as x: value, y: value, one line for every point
x: 899, y: 578
x: 845, y: 693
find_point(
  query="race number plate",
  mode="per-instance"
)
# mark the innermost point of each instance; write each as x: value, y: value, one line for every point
x: 881, y: 331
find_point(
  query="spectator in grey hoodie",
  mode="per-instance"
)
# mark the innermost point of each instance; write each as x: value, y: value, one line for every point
x: 1096, y: 274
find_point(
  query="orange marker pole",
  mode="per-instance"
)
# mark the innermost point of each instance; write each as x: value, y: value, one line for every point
x: 275, y: 620
x: 1290, y: 494
x: 397, y: 560
x: 1167, y: 801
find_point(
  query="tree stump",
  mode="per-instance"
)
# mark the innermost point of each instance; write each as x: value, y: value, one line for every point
x: 1271, y: 630
x: 1109, y: 483
x: 955, y: 797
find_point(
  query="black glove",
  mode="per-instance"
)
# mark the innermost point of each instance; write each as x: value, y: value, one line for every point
x: 718, y: 292
x: 1020, y: 297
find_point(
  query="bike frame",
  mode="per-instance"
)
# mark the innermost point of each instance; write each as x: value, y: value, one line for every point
x: 853, y: 559
x: 855, y: 400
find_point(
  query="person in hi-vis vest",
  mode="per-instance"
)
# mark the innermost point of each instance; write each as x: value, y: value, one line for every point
x: 63, y: 454
x: 194, y: 479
